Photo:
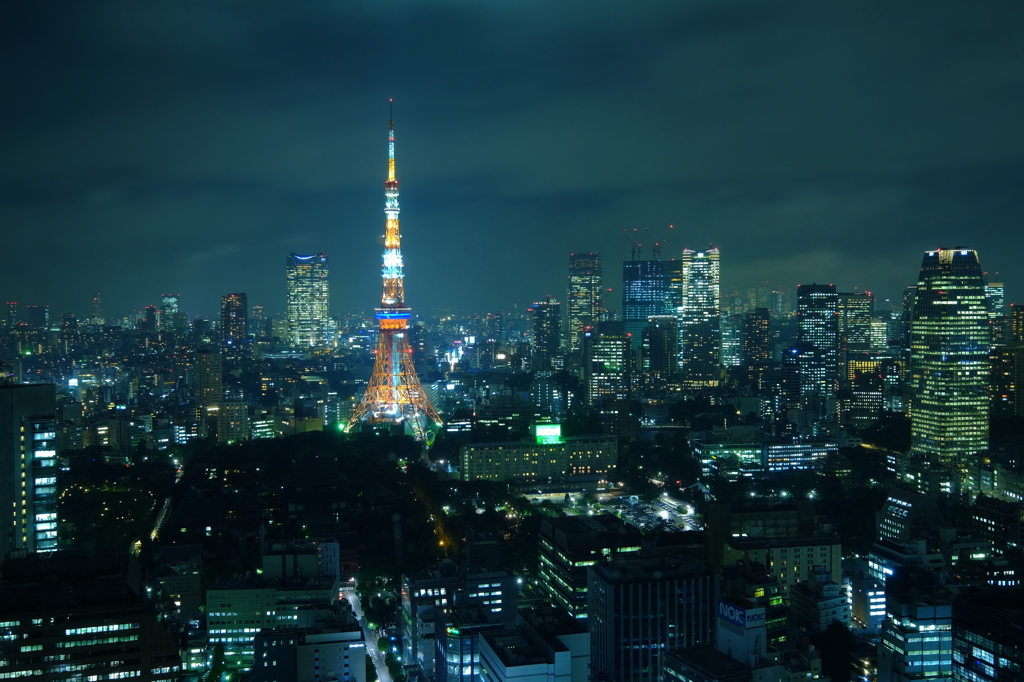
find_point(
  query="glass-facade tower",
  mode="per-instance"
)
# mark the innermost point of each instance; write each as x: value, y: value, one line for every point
x: 584, y: 301
x: 307, y: 300
x: 699, y: 317
x: 644, y: 295
x: 818, y: 332
x: 949, y: 360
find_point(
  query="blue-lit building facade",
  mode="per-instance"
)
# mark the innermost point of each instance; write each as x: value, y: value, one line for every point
x: 644, y: 295
x: 28, y: 468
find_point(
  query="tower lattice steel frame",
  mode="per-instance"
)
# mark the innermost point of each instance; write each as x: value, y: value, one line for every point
x: 394, y: 394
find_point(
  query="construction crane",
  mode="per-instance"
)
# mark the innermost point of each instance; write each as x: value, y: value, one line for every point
x: 635, y: 245
x: 656, y: 249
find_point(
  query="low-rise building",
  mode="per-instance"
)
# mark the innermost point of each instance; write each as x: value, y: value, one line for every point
x: 549, y: 462
x: 546, y: 645
x: 332, y: 649
x: 819, y: 602
x: 451, y: 586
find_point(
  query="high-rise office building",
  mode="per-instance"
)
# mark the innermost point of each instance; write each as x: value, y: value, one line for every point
x: 607, y: 363
x: 28, y: 468
x: 209, y: 378
x: 673, y: 285
x: 38, y: 316
x: 995, y: 299
x: 644, y: 295
x: 855, y: 311
x: 11, y: 319
x: 818, y: 329
x: 394, y: 395
x: 626, y: 642
x: 732, y: 340
x: 902, y: 338
x: 547, y: 333
x: 756, y: 344
x: 308, y: 298
x: 660, y: 350
x: 949, y: 362
x: 97, y: 310
x: 234, y: 326
x: 917, y: 634
x: 1007, y: 380
x: 988, y: 635
x: 699, y: 317
x: 168, y: 311
x: 585, y: 294
x: 1016, y: 323
x: 701, y: 291
x: 83, y: 615
x: 568, y: 545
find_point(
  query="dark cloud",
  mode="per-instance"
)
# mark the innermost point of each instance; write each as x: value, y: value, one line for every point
x: 190, y: 146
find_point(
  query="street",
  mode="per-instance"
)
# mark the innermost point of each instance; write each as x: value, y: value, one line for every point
x: 371, y: 638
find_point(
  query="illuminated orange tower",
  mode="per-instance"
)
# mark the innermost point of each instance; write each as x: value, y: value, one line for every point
x: 394, y: 394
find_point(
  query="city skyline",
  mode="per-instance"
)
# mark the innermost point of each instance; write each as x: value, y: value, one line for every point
x: 811, y: 143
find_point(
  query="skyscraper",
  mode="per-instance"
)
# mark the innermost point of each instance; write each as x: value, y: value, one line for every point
x: 208, y: 378
x: 995, y: 297
x: 949, y: 361
x: 394, y: 395
x: 660, y: 351
x: 97, y: 310
x: 547, y: 333
x: 756, y: 345
x: 699, y: 317
x: 38, y: 316
x: 607, y: 361
x: 701, y: 293
x: 308, y: 298
x: 234, y: 326
x: 28, y: 468
x: 585, y: 297
x: 818, y: 329
x: 855, y: 312
x: 644, y: 295
x: 168, y: 311
x: 640, y: 607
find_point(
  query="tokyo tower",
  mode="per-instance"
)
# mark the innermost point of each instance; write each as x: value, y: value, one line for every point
x: 394, y: 395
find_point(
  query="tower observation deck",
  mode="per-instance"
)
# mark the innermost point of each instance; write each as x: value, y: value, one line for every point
x: 394, y: 395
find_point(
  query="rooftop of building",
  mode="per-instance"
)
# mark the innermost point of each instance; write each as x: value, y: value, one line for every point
x: 336, y: 622
x: 513, y: 649
x: 71, y: 580
x: 742, y: 543
x: 587, y: 533
x: 533, y: 443
x: 551, y: 622
x: 1007, y: 601
x: 250, y: 580
x: 710, y: 663
x: 452, y: 571
x: 467, y: 619
x: 628, y: 569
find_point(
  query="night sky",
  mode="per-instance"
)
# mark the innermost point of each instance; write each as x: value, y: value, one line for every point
x: 188, y: 147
